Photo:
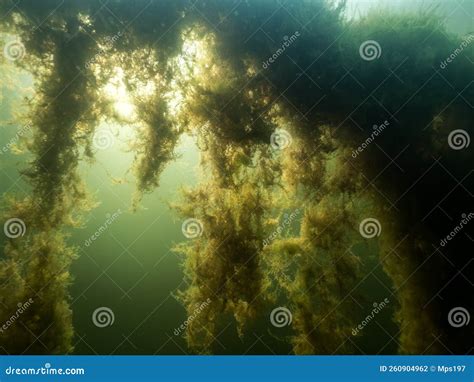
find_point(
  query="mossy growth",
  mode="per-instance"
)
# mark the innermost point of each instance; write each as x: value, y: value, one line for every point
x: 196, y: 68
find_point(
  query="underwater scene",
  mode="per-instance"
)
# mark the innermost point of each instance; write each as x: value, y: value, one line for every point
x: 236, y: 177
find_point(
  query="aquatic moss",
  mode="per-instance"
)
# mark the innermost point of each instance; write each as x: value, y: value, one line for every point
x: 217, y: 91
x: 224, y: 264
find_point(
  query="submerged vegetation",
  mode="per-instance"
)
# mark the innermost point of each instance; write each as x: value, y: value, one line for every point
x: 184, y: 67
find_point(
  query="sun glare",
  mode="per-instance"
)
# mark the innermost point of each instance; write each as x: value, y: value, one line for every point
x: 116, y: 91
